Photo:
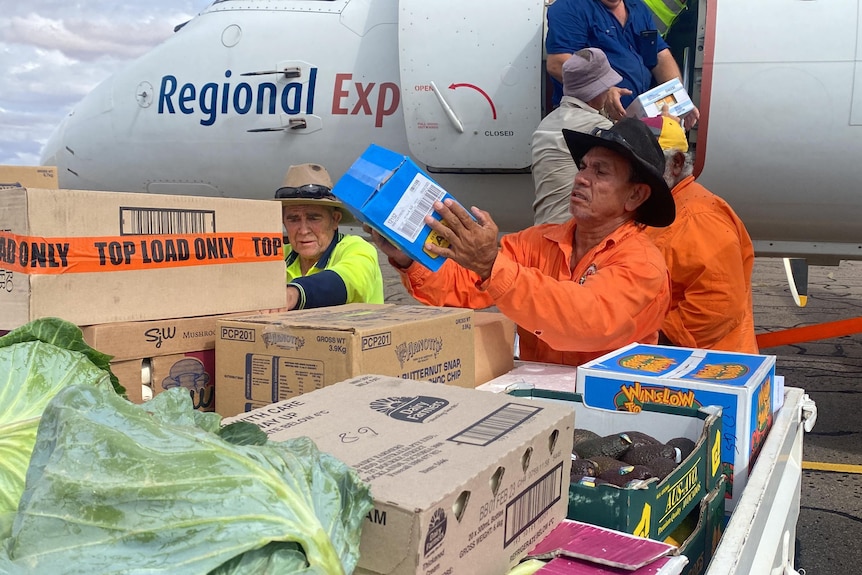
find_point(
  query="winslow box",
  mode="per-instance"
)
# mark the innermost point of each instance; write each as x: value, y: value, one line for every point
x: 741, y: 384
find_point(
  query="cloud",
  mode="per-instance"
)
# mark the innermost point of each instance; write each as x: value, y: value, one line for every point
x: 88, y: 39
x: 53, y: 53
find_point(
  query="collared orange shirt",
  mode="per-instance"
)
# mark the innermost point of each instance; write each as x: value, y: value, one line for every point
x: 617, y: 294
x: 710, y: 258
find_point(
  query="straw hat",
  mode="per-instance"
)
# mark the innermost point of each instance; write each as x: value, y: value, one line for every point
x: 310, y: 184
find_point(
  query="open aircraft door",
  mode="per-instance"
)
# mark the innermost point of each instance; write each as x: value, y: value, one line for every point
x: 471, y: 77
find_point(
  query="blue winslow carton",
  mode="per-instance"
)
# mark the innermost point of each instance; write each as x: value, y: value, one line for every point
x: 741, y: 384
x: 390, y: 193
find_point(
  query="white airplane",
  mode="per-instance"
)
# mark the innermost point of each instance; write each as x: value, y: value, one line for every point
x: 248, y: 87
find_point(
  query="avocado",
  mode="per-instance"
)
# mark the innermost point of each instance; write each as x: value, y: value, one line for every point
x: 625, y: 475
x: 610, y: 446
x: 684, y: 444
x: 583, y: 467
x: 604, y: 463
x: 662, y: 467
x: 645, y: 454
x: 583, y: 435
x: 640, y: 438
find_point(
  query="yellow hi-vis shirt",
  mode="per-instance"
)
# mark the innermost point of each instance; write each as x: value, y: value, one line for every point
x: 347, y: 272
x: 665, y: 12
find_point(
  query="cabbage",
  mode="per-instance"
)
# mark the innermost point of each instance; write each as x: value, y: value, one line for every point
x: 115, y: 487
x: 36, y: 361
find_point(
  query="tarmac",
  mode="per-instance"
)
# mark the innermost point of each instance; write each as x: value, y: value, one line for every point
x: 829, y: 530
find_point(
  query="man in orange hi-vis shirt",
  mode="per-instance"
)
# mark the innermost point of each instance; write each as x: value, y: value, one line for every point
x: 578, y: 289
x: 709, y: 255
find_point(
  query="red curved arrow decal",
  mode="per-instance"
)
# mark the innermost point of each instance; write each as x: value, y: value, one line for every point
x: 481, y: 91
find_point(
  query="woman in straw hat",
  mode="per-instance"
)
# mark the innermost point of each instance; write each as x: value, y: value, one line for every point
x: 324, y: 266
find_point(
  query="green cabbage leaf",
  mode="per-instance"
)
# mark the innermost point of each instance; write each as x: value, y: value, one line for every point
x: 115, y: 487
x: 36, y: 361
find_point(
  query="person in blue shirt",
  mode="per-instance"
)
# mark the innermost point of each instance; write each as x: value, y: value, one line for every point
x: 323, y: 266
x: 625, y: 31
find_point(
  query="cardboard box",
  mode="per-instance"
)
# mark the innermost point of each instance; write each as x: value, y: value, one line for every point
x: 741, y: 384
x: 267, y: 358
x: 700, y: 544
x: 654, y: 508
x: 463, y: 481
x: 143, y: 339
x: 494, y: 340
x: 99, y: 257
x: 146, y: 377
x: 28, y: 177
x: 391, y: 194
x: 151, y: 356
x: 649, y: 103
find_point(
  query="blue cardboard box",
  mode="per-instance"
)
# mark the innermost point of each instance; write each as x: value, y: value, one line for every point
x: 741, y: 384
x: 391, y: 194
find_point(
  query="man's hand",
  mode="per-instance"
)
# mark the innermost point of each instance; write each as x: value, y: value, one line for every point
x: 292, y: 297
x: 690, y: 119
x: 399, y: 258
x: 472, y: 243
x: 614, y: 107
x: 291, y: 302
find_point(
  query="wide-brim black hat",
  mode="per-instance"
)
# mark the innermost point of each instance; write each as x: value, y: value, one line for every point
x: 633, y: 140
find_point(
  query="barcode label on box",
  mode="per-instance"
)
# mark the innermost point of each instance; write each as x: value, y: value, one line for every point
x: 408, y: 216
x: 494, y: 426
x: 525, y: 508
x: 162, y: 221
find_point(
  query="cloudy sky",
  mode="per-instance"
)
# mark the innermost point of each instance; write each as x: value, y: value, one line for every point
x: 54, y: 52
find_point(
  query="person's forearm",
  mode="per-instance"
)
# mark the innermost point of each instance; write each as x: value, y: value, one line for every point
x: 666, y: 67
x: 554, y: 65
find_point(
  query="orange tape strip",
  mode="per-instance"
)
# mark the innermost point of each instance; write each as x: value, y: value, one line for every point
x: 36, y: 255
x: 810, y: 333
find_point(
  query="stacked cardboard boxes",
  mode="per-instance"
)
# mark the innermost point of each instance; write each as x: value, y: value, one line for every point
x: 144, y: 274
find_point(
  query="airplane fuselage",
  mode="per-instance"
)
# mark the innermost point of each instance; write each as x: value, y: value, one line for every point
x: 460, y: 87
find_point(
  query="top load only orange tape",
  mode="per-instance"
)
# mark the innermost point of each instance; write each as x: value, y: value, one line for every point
x: 35, y: 255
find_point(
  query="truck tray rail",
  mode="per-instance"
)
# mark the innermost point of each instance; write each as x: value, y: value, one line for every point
x: 761, y: 534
